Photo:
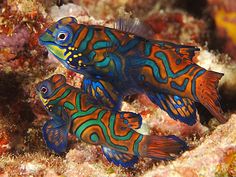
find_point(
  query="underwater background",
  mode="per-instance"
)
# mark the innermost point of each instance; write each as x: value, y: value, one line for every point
x: 207, y: 24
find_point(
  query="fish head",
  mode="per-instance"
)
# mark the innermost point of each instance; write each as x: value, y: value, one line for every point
x: 59, y: 40
x: 47, y: 89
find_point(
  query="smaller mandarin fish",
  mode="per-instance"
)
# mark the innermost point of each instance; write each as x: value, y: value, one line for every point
x: 76, y: 112
x: 125, y: 60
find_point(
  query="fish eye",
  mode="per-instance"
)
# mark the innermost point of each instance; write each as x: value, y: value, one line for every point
x: 62, y: 36
x: 43, y: 90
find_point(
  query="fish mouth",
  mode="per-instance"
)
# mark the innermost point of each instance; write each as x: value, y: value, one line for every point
x: 41, y: 41
x: 44, y: 101
x: 45, y: 38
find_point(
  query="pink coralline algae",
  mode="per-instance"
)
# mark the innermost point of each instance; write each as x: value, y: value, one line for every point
x: 14, y: 43
x: 17, y: 40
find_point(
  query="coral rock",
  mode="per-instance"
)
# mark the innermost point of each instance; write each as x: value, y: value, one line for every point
x: 204, y: 159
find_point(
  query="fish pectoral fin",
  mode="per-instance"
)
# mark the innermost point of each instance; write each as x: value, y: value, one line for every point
x: 103, y: 92
x: 55, y: 135
x: 119, y: 158
x: 132, y: 119
x: 178, y: 108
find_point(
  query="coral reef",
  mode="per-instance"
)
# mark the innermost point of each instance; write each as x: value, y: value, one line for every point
x: 208, y: 158
x: 224, y: 14
x: 23, y: 63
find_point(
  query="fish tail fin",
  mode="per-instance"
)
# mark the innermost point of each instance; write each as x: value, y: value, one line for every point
x: 164, y: 147
x: 207, y: 93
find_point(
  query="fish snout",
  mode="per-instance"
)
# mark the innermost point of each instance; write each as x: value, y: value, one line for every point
x: 45, y: 37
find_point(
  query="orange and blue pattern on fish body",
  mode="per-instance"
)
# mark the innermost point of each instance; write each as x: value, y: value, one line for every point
x: 118, y: 61
x: 77, y: 112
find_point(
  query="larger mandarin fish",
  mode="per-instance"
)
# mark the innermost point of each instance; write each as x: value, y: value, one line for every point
x: 125, y: 60
x: 77, y: 112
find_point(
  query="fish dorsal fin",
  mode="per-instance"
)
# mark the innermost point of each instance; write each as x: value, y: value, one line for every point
x: 134, y: 26
x: 119, y: 158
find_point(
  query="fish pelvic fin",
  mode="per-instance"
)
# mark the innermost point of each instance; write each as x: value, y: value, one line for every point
x: 163, y: 147
x: 207, y: 93
x: 55, y: 136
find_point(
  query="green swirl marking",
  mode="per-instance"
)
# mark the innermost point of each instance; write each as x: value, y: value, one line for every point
x: 81, y: 112
x: 65, y: 94
x: 104, y: 62
x: 148, y: 48
x: 99, y: 123
x: 171, y: 74
x: 89, y: 36
x: 69, y: 105
x: 112, y: 128
x: 136, y: 144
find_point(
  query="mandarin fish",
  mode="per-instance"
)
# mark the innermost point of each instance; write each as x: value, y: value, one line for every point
x: 124, y: 60
x: 74, y: 111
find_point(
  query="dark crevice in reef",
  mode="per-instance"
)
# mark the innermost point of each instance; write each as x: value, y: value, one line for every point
x: 227, y: 102
x: 61, y: 2
x: 130, y: 98
x: 196, y: 8
x: 227, y: 99
x: 205, y: 115
x: 10, y: 89
x: 13, y: 98
x: 214, y: 42
x: 200, y: 9
x: 15, y: 112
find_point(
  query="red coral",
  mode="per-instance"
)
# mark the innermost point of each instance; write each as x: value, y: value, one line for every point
x: 4, y: 141
x: 172, y: 26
